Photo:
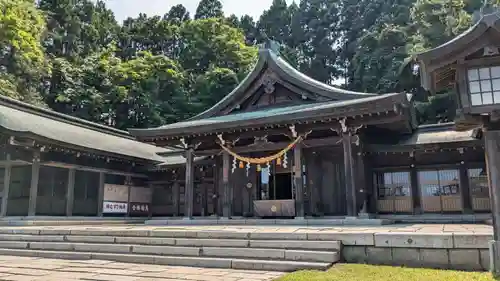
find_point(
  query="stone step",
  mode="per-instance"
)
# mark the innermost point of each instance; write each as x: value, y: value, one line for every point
x: 285, y: 266
x: 189, y: 242
x: 220, y: 252
x: 172, y: 233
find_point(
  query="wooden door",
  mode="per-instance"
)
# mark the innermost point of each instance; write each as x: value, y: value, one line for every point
x: 394, y: 192
x: 479, y: 190
x: 440, y: 191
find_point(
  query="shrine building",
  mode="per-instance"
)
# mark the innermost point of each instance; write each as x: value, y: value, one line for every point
x: 280, y: 145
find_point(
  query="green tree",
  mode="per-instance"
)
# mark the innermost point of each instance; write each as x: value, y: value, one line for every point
x: 212, y: 43
x: 248, y: 25
x: 22, y: 60
x: 438, y: 21
x: 177, y: 15
x: 314, y: 32
x: 209, y: 9
x: 275, y: 22
x: 153, y: 91
x: 77, y: 28
x: 212, y: 86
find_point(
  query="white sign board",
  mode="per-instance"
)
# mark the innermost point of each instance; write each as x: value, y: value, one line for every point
x: 115, y: 193
x: 114, y: 207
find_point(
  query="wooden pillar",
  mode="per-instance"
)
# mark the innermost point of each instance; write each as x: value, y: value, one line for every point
x: 35, y: 172
x: 189, y: 187
x: 465, y: 190
x: 176, y: 197
x: 492, y: 157
x: 298, y: 181
x: 226, y: 203
x: 216, y: 197
x: 316, y: 182
x: 100, y: 194
x: 204, y: 193
x: 361, y: 191
x: 415, y: 191
x: 349, y: 173
x: 70, y: 192
x: 151, y: 194
x: 6, y: 186
x: 128, y: 183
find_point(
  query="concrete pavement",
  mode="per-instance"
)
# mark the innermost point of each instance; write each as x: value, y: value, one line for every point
x: 39, y: 269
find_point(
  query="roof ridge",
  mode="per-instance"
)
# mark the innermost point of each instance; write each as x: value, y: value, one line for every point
x: 51, y: 114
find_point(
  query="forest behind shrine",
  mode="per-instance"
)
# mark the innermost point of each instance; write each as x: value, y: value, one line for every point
x: 73, y: 56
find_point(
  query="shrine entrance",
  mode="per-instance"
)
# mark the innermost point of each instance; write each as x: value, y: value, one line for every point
x: 276, y: 193
x: 281, y: 186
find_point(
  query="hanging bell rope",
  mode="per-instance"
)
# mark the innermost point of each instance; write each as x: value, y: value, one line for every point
x: 262, y: 160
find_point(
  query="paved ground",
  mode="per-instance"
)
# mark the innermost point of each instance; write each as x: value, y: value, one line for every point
x: 415, y: 228
x: 27, y: 269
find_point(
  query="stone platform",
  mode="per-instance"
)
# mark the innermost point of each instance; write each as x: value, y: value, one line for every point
x: 334, y: 221
x: 50, y: 220
x: 282, y: 248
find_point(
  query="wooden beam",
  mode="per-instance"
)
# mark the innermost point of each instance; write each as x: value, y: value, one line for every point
x: 91, y: 169
x: 14, y: 163
x: 319, y: 122
x: 273, y: 146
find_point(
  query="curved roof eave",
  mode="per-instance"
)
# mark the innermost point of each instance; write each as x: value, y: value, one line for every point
x: 476, y: 30
x: 285, y: 69
x: 279, y: 115
x: 247, y: 81
x: 292, y: 75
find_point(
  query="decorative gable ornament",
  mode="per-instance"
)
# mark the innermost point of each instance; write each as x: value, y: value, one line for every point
x: 490, y: 51
x: 268, y: 82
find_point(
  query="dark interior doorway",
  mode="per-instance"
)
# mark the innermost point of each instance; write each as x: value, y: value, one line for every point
x: 280, y: 186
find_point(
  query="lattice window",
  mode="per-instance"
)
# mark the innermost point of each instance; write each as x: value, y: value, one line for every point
x: 439, y: 182
x: 391, y: 184
x: 484, y: 85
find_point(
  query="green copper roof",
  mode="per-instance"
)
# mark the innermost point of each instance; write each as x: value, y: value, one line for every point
x: 275, y: 62
x: 276, y: 115
x: 22, y: 118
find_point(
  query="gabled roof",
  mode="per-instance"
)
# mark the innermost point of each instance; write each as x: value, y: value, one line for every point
x: 24, y: 119
x: 463, y: 41
x: 271, y: 59
x: 333, y: 102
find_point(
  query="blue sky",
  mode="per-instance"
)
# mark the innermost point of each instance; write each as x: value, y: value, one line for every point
x: 131, y: 8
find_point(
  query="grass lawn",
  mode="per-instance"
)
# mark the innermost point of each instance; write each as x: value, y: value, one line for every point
x: 361, y: 272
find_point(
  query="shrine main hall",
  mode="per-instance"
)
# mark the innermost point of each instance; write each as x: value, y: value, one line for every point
x: 280, y: 145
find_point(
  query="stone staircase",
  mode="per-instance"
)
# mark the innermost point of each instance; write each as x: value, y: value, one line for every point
x: 217, y: 249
